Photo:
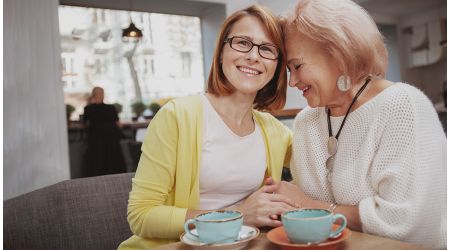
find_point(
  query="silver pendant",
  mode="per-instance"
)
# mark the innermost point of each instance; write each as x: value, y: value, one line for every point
x: 330, y: 163
x: 332, y: 145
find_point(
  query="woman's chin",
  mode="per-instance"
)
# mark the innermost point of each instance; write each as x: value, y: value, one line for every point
x: 312, y: 105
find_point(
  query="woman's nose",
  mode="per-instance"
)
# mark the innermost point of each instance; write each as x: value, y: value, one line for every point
x: 292, y: 80
x: 253, y: 54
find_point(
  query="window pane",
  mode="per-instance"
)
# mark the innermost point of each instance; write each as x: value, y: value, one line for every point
x: 166, y: 63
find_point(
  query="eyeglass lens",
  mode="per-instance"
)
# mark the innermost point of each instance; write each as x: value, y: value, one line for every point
x: 244, y: 45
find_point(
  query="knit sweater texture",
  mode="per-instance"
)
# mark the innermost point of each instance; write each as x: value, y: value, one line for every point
x: 391, y: 162
x: 166, y: 183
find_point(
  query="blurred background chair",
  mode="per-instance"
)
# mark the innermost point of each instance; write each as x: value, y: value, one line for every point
x: 86, y: 213
x: 131, y: 151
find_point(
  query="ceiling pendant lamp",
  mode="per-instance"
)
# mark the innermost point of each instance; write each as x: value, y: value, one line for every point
x: 132, y: 31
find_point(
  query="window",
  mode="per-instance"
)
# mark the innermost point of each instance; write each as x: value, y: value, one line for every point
x: 94, y: 54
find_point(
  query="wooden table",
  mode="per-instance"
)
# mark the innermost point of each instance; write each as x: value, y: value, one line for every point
x: 357, y: 241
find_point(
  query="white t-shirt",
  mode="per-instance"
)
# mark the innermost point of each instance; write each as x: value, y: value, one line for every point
x: 232, y: 167
x: 391, y: 163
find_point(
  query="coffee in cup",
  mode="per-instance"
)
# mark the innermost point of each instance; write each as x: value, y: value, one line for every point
x: 216, y: 225
x: 310, y: 226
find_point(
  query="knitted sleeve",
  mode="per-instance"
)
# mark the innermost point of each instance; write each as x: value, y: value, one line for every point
x: 148, y: 215
x: 408, y: 173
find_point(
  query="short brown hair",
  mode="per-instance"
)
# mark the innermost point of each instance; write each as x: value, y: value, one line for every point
x: 273, y: 95
x: 344, y: 30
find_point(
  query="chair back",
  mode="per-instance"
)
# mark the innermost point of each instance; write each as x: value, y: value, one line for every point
x: 86, y: 213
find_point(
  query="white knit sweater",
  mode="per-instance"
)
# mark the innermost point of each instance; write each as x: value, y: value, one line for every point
x: 391, y: 162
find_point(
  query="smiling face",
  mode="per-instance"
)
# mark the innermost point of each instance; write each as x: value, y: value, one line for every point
x: 248, y: 72
x: 312, y: 71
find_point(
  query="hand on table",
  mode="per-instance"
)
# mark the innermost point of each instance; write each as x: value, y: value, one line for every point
x: 261, y: 204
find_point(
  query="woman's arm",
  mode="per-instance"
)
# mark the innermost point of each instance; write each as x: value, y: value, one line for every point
x: 148, y: 214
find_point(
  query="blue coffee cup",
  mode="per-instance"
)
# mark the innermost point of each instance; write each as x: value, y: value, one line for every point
x: 216, y: 225
x: 310, y: 226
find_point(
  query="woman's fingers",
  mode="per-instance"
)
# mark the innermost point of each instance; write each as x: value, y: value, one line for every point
x: 269, y: 189
x: 270, y: 181
x: 282, y: 198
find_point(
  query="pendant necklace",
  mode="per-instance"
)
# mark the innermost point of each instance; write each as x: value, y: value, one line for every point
x: 333, y: 140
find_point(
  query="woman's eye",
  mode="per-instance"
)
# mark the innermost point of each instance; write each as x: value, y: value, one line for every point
x: 296, y: 67
x: 244, y: 43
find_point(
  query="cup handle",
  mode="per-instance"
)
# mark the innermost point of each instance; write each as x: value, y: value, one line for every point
x: 344, y: 224
x: 186, y: 228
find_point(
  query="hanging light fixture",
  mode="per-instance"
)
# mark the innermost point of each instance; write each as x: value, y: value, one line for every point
x: 132, y: 31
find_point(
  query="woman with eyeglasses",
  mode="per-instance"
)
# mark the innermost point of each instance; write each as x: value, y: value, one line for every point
x: 213, y: 151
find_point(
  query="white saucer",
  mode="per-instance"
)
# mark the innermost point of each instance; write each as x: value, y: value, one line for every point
x: 194, y: 243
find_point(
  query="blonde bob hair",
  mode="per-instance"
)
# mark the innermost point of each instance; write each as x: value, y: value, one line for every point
x: 344, y: 30
x: 273, y: 95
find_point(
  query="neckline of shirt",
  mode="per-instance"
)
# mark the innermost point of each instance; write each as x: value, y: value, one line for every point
x: 358, y: 110
x: 225, y: 125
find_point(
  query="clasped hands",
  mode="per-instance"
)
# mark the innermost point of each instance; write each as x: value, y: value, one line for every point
x: 263, y: 206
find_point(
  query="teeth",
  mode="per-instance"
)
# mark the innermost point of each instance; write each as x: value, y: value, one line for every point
x: 305, y: 89
x: 249, y: 71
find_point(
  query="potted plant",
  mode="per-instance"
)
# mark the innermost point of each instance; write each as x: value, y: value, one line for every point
x: 137, y: 108
x: 155, y: 107
x: 69, y: 110
x: 118, y: 107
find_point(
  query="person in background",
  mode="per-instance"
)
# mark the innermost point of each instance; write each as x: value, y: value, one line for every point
x: 212, y: 151
x: 367, y: 148
x: 104, y: 155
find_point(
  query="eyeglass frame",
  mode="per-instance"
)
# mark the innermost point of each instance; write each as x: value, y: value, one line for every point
x: 228, y: 40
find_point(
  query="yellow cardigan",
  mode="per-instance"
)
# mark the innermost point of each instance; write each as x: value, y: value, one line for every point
x: 166, y: 184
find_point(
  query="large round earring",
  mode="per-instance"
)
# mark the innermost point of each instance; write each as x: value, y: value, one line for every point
x: 343, y: 85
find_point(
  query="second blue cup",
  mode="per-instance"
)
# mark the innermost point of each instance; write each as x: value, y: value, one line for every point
x: 310, y: 226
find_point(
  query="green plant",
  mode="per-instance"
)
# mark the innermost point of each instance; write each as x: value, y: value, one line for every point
x: 154, y: 107
x: 138, y: 108
x: 69, y: 110
x: 118, y: 107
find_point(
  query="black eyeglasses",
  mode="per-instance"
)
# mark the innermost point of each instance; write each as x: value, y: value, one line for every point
x: 243, y: 44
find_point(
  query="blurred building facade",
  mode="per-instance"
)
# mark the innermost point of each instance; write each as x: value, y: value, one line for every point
x: 168, y: 59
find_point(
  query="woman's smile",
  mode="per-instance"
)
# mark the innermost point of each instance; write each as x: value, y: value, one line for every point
x: 248, y: 71
x: 306, y: 89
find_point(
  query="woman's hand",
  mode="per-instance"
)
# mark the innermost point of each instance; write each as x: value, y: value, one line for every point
x: 291, y: 191
x: 261, y: 204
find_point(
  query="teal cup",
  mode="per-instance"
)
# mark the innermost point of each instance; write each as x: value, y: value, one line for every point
x: 310, y: 226
x: 216, y: 225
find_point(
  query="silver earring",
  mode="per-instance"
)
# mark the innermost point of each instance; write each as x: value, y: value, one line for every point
x: 343, y: 85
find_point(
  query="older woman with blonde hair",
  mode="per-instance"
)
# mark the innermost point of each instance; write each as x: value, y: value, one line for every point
x: 213, y: 151
x: 367, y: 148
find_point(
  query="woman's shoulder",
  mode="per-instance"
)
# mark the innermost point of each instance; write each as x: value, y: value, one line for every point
x: 405, y: 95
x: 265, y: 118
x: 268, y: 122
x: 308, y: 114
x: 184, y: 104
x: 186, y: 100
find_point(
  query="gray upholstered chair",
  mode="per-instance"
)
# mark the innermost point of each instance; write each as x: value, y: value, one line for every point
x: 86, y: 213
